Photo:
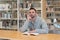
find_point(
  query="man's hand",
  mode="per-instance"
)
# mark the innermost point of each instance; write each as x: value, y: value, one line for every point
x: 32, y: 31
x: 29, y: 18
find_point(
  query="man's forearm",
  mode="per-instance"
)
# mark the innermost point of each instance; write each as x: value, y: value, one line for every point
x: 24, y: 27
x: 41, y: 30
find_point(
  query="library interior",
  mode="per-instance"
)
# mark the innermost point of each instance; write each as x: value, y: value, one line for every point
x: 13, y: 16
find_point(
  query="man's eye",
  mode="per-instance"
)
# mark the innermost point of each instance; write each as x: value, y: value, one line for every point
x: 32, y: 12
x: 29, y: 12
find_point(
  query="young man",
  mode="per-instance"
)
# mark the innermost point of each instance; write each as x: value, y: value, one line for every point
x: 34, y: 24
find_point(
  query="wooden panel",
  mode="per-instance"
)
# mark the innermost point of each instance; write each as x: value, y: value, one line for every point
x: 44, y: 9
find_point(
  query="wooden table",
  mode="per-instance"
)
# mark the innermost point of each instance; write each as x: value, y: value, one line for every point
x: 15, y: 35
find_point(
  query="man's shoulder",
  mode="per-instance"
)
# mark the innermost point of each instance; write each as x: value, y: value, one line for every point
x: 39, y: 18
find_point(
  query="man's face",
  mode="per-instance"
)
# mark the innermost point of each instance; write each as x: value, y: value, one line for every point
x: 32, y: 13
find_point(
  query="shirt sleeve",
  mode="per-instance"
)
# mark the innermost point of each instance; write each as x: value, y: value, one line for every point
x: 24, y: 27
x: 44, y: 28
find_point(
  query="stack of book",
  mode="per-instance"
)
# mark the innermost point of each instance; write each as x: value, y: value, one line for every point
x: 14, y: 14
x: 5, y: 6
x: 29, y: 4
x: 6, y: 23
x: 6, y: 15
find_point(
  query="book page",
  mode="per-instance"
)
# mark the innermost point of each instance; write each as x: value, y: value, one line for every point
x: 27, y: 33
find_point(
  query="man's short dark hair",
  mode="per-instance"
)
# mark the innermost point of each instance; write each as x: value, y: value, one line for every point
x: 33, y: 9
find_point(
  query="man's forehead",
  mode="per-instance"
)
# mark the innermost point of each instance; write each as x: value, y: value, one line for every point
x: 31, y: 10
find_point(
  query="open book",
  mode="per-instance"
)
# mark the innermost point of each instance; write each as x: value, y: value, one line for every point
x: 27, y: 33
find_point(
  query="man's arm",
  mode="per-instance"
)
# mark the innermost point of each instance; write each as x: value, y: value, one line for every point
x: 44, y: 28
x: 24, y: 27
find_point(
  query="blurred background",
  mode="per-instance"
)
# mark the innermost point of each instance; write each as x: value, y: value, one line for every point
x: 12, y: 13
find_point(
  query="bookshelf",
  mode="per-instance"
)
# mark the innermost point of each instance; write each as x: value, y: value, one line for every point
x: 8, y: 14
x: 12, y: 12
x: 53, y: 10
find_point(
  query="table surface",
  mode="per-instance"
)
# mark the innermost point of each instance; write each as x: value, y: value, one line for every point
x: 15, y: 35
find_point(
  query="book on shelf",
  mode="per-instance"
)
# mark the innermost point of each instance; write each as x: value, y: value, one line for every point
x: 14, y: 22
x: 6, y: 15
x: 57, y: 9
x: 6, y: 23
x: 25, y: 4
x: 29, y: 4
x: 0, y: 14
x: 23, y: 15
x: 14, y: 14
x: 36, y: 4
x: 50, y: 14
x: 49, y: 2
x: 21, y: 23
x: 5, y: 6
x: 39, y: 12
x: 14, y: 5
x: 50, y: 9
x: 0, y: 24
